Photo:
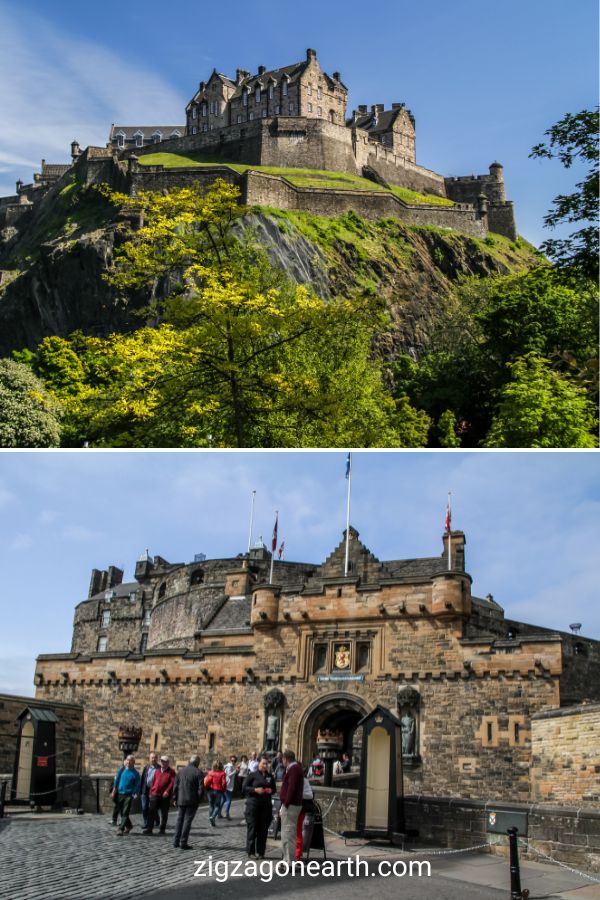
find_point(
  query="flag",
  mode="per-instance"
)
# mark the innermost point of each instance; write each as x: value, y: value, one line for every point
x: 348, y: 465
x: 448, y: 522
x: 280, y: 554
x: 274, y: 540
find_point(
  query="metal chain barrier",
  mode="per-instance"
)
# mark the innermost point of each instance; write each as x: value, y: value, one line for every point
x: 530, y: 848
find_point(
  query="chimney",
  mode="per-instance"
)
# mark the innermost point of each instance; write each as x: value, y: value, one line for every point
x: 115, y: 576
x: 75, y: 150
x: 397, y: 105
x: 377, y: 108
x: 240, y: 74
x: 202, y: 85
x: 362, y: 109
x: 262, y: 70
x: 95, y: 583
x: 337, y: 76
x: 311, y: 54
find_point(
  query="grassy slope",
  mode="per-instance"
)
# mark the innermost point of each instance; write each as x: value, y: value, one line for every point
x: 300, y: 177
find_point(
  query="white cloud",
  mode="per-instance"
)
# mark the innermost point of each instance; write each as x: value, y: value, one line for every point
x: 80, y: 533
x: 21, y: 542
x: 58, y: 87
x: 48, y: 516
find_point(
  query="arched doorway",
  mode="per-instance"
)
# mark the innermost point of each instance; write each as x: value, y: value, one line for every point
x: 339, y: 712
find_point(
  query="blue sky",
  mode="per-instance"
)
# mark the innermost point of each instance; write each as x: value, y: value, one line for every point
x: 484, y: 80
x: 531, y: 521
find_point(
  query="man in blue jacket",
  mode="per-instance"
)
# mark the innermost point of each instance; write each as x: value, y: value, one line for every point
x: 127, y: 787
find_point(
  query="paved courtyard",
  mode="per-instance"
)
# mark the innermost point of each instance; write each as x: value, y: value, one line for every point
x: 81, y: 858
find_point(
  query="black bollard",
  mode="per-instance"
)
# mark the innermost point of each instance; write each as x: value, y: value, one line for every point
x: 515, y: 874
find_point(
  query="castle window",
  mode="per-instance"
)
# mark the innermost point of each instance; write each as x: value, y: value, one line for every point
x: 194, y: 112
x: 257, y: 94
x: 194, y: 130
x: 284, y: 87
x: 139, y: 139
x: 310, y: 107
x: 162, y: 591
x: 102, y: 645
x: 251, y: 116
x: 106, y: 618
x: 319, y: 94
x: 133, y: 597
x: 309, y: 90
x: 331, y: 115
x: 239, y: 118
x: 319, y: 110
x: 204, y: 110
x: 245, y: 98
x: 277, y: 110
x: 271, y: 92
x: 320, y: 657
x: 290, y: 107
x: 156, y: 137
x: 363, y: 653
x: 120, y: 139
x: 264, y: 114
x: 175, y: 133
x: 205, y: 128
x: 197, y: 577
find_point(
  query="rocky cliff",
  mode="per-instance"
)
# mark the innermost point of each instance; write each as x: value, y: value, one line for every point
x: 51, y: 270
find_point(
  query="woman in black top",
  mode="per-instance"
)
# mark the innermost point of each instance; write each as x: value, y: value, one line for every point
x: 258, y: 790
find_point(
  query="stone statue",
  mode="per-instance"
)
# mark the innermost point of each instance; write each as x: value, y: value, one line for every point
x: 272, y: 732
x: 274, y: 703
x: 407, y: 723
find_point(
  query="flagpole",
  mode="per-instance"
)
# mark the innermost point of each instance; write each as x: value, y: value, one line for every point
x: 449, y: 531
x: 272, y: 550
x: 251, y: 520
x: 348, y: 515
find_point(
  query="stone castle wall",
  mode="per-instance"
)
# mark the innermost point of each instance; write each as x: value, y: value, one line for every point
x: 474, y: 721
x: 565, y: 751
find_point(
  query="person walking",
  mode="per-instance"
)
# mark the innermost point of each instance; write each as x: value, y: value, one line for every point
x: 114, y: 793
x: 259, y: 788
x: 147, y: 776
x: 187, y: 794
x: 231, y: 770
x: 215, y: 783
x: 290, y: 794
x: 253, y: 762
x: 128, y: 787
x: 161, y: 791
x: 308, y: 806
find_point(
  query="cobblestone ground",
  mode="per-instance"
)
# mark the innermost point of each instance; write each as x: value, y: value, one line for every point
x: 81, y: 858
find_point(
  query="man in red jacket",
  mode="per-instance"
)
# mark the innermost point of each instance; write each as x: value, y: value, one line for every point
x: 290, y: 795
x: 160, y: 795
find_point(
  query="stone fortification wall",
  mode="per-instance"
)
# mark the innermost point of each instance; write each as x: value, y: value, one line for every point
x: 474, y: 723
x: 401, y: 171
x: 565, y: 749
x: 268, y: 190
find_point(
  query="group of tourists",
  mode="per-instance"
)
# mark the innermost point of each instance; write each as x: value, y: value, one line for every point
x: 259, y: 779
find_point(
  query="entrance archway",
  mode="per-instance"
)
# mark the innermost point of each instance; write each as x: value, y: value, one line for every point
x: 339, y: 712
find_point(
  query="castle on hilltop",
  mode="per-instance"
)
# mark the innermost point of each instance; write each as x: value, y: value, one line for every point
x: 291, y: 117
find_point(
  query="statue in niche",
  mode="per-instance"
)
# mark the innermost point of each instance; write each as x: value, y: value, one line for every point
x: 408, y: 727
x: 409, y: 701
x: 274, y: 702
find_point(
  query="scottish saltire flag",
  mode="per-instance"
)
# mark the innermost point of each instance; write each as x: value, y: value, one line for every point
x: 274, y: 540
x: 348, y: 465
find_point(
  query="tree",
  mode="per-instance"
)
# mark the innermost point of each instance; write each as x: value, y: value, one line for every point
x: 539, y: 408
x: 28, y: 416
x: 575, y: 137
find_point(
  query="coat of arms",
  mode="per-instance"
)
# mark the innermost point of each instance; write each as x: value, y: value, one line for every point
x: 342, y: 657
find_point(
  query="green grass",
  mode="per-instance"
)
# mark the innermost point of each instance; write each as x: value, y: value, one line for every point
x: 307, y: 178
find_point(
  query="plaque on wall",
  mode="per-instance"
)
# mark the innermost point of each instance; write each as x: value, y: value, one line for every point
x: 341, y: 656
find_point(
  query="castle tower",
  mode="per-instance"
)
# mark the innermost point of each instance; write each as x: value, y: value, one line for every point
x: 265, y: 606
